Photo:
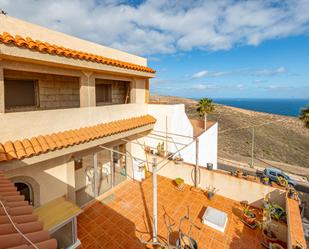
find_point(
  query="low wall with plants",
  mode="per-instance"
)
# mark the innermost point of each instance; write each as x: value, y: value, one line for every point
x: 226, y: 185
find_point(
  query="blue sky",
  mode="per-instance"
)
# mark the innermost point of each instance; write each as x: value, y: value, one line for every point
x: 200, y: 48
x: 277, y: 68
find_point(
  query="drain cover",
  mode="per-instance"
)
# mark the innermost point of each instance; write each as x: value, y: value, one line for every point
x: 215, y: 219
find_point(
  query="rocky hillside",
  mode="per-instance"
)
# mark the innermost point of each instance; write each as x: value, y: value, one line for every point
x: 277, y: 138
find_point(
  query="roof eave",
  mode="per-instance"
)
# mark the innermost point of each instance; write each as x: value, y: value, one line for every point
x: 26, y: 55
x: 69, y: 151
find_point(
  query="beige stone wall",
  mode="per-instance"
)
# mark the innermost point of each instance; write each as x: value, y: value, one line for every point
x: 86, y: 83
x: 119, y: 90
x: 54, y: 91
x: 58, y: 91
x: 138, y: 91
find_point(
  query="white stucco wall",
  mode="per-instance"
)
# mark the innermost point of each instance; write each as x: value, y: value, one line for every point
x: 228, y: 186
x: 208, y: 147
x: 174, y: 119
x: 54, y: 178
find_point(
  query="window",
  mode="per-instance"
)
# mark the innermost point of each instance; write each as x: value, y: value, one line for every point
x: 20, y: 93
x: 66, y: 234
x: 103, y: 93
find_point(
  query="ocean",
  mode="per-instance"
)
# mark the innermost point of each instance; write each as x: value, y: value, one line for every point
x: 287, y: 107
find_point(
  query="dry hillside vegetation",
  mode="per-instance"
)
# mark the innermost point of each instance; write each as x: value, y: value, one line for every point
x: 277, y: 138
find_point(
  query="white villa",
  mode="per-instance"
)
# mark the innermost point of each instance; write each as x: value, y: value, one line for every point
x: 63, y: 102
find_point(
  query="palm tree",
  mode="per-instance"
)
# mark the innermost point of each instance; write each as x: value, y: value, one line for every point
x: 304, y: 115
x: 204, y: 107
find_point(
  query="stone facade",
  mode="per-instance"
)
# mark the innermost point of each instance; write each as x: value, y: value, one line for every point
x: 54, y: 91
x: 120, y: 90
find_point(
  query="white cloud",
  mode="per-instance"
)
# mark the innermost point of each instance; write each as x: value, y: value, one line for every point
x: 259, y: 81
x: 158, y: 26
x: 218, y: 74
x: 204, y: 86
x: 270, y: 72
x: 200, y: 74
x: 204, y: 73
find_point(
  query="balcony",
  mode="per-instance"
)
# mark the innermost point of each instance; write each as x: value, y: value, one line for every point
x: 28, y: 124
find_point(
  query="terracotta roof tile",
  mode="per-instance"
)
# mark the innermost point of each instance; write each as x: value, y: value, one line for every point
x: 19, y: 148
x: 2, y: 154
x: 36, y: 145
x: 51, y: 143
x: 28, y: 147
x: 10, y: 150
x: 45, y: 47
x: 43, y: 144
x: 45, y: 147
x: 22, y: 215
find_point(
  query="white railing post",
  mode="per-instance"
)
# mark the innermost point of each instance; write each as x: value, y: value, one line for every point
x: 196, y: 162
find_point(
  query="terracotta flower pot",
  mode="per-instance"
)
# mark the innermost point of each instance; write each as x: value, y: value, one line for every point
x: 249, y: 218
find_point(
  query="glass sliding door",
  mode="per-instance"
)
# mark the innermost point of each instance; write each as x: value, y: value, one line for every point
x: 104, y: 172
x: 85, y: 180
x: 119, y: 162
x: 98, y: 172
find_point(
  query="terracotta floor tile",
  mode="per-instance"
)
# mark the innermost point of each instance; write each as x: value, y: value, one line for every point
x: 128, y: 218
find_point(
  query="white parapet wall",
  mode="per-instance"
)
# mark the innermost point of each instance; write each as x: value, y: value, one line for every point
x: 173, y: 119
x: 21, y: 125
x: 228, y: 186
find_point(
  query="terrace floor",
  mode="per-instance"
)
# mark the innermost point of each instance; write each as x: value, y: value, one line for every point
x: 123, y: 217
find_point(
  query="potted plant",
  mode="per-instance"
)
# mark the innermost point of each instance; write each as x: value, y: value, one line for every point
x: 160, y: 149
x: 292, y: 193
x: 282, y: 181
x: 238, y: 173
x: 268, y: 236
x: 211, y: 192
x: 277, y: 212
x: 180, y: 183
x: 248, y: 216
x: 265, y: 180
x: 170, y: 156
x: 178, y: 159
x: 210, y: 166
